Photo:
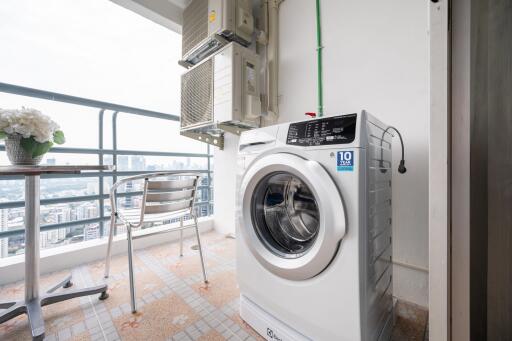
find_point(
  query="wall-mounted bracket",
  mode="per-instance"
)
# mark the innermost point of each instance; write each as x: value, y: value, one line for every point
x: 214, y: 140
x: 233, y: 129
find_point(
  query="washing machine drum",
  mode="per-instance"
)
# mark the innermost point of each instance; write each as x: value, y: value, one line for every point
x: 285, y: 214
x: 292, y: 216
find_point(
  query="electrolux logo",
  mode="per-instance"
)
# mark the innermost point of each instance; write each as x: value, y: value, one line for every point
x: 272, y: 335
x: 345, y: 161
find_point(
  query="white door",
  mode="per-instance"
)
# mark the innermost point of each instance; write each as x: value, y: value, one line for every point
x: 292, y: 216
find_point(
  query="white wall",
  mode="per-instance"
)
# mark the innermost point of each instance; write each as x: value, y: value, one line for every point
x: 224, y: 185
x: 375, y: 58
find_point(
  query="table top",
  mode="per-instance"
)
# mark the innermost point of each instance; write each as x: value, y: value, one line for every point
x: 38, y: 170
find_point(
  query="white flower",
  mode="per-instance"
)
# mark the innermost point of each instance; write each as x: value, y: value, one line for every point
x: 28, y: 122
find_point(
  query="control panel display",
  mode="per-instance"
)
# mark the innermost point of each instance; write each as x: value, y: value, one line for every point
x: 324, y: 131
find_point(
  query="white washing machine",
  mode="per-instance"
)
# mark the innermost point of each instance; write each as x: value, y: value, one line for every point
x: 314, y: 229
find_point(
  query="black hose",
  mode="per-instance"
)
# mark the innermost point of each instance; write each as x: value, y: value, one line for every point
x: 401, y: 166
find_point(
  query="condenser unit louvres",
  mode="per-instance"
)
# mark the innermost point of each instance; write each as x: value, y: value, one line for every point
x: 221, y: 93
x: 208, y: 25
x: 197, y: 96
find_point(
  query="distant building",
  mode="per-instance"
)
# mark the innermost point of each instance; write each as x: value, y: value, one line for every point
x: 51, y: 237
x: 51, y: 162
x: 138, y: 163
x: 128, y: 201
x: 91, y: 212
x: 91, y: 232
x: 78, y: 213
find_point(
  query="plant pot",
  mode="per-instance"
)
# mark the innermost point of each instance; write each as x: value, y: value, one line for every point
x: 17, y: 155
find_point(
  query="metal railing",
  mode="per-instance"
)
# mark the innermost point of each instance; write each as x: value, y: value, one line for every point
x: 100, y: 152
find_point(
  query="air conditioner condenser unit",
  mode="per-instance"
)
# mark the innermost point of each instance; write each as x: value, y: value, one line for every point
x: 210, y: 24
x: 221, y: 93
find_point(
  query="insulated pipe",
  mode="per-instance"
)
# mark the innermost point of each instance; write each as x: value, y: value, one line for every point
x: 273, y: 57
x: 319, y: 48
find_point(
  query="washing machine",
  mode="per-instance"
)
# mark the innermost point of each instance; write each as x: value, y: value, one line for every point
x: 314, y: 229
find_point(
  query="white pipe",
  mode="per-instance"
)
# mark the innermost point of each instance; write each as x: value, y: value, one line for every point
x: 273, y: 58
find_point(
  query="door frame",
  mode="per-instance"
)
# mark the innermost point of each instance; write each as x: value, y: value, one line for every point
x: 439, y: 172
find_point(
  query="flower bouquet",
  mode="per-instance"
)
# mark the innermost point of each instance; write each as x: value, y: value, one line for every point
x: 28, y: 135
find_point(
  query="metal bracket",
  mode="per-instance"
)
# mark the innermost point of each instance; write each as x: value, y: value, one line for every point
x: 233, y: 129
x: 214, y: 140
x: 211, y: 45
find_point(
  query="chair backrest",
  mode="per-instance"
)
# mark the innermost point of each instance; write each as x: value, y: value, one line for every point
x: 166, y: 195
x: 169, y: 196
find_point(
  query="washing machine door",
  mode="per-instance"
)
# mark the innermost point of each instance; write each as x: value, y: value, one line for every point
x: 292, y: 216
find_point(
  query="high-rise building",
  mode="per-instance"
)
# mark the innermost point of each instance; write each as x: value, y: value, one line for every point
x: 47, y: 238
x: 91, y: 212
x: 128, y: 202
x: 79, y: 213
x: 91, y: 232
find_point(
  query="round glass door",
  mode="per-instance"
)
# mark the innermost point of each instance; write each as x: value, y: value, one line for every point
x: 285, y: 214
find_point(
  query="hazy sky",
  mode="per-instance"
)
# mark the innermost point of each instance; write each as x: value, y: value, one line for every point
x: 94, y: 49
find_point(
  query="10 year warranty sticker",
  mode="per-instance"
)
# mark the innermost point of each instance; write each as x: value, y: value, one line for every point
x: 345, y: 161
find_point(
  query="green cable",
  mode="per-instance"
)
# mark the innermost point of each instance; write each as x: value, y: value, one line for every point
x: 319, y: 60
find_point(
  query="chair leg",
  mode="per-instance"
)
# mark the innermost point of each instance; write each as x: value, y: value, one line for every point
x: 130, y: 269
x: 181, y: 237
x: 109, y: 246
x: 200, y: 250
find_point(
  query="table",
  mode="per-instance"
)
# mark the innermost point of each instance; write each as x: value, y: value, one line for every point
x: 33, y: 301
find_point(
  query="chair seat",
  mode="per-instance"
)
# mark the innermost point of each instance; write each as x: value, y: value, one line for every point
x: 132, y: 216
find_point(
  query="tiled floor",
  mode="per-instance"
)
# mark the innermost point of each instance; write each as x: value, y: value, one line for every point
x: 174, y: 303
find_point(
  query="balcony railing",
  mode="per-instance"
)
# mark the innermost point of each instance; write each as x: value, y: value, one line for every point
x: 205, y: 205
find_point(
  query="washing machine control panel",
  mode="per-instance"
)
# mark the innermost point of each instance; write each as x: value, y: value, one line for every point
x: 323, y: 131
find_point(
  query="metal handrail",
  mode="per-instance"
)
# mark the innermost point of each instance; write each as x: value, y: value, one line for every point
x: 100, y: 151
x: 66, y: 150
x: 62, y: 200
x: 86, y: 102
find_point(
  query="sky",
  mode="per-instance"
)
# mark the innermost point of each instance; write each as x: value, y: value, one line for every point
x: 99, y: 50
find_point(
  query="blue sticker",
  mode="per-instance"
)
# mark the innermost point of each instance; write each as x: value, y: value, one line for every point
x: 345, y: 161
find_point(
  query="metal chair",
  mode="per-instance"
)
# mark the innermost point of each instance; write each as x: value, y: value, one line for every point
x: 162, y: 200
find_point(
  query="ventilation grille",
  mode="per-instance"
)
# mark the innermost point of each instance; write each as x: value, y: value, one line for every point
x: 197, y: 95
x: 195, y: 25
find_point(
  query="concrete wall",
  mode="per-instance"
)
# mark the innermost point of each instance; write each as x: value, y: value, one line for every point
x: 375, y: 58
x: 224, y: 185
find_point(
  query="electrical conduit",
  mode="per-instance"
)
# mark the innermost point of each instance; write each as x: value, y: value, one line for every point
x: 319, y: 48
x: 273, y: 57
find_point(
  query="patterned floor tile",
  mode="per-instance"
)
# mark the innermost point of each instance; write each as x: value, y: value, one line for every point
x: 189, y: 266
x: 173, y: 302
x: 157, y: 320
x: 221, y: 289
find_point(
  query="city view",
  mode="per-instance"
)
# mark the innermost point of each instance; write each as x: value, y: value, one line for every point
x: 13, y: 190
x: 138, y: 70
